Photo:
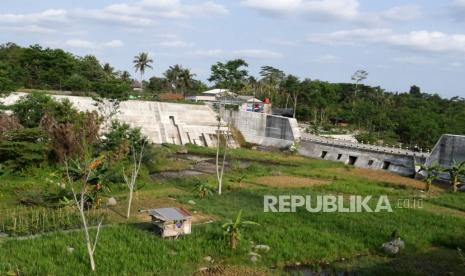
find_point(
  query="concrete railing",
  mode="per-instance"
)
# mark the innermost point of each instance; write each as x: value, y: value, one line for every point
x: 367, y: 147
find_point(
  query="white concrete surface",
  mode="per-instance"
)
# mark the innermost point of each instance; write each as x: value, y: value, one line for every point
x: 161, y: 122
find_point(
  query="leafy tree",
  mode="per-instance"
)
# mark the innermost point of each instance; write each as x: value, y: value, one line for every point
x: 229, y: 75
x: 141, y: 63
x: 22, y: 148
x: 30, y: 109
x: 291, y: 85
x: 271, y: 80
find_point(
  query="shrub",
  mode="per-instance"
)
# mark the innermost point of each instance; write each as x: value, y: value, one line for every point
x: 23, y: 147
x: 31, y: 108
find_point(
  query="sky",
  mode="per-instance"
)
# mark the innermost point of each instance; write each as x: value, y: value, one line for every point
x: 400, y: 43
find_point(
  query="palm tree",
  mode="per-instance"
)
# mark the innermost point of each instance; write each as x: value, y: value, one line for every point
x: 186, y: 79
x: 142, y: 62
x: 109, y: 71
x: 455, y: 171
x: 173, y: 76
x: 232, y: 229
x: 125, y: 76
x: 432, y: 173
x: 179, y: 78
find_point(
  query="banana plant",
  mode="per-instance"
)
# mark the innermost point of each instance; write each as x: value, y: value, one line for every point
x: 455, y: 172
x: 432, y: 173
x: 232, y: 229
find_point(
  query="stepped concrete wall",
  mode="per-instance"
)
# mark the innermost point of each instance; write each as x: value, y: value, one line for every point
x: 448, y: 149
x: 264, y: 129
x: 365, y: 156
x: 161, y: 122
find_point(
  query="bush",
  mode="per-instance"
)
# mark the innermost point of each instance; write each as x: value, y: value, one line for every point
x: 31, y: 108
x: 23, y: 147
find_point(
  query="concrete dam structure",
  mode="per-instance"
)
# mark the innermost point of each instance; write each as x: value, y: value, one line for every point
x: 360, y: 155
x: 449, y: 149
x: 264, y: 129
x: 161, y: 122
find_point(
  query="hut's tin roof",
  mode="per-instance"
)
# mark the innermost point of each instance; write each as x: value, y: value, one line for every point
x: 170, y: 213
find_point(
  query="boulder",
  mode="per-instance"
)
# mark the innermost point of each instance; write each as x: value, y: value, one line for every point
x: 393, y: 247
x: 262, y: 247
x: 111, y: 201
x: 208, y: 259
x: 191, y: 202
x: 182, y: 150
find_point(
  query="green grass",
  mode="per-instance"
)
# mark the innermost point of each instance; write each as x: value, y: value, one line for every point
x: 308, y: 238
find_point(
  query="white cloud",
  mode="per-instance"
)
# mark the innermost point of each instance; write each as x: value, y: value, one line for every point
x: 90, y: 45
x: 143, y: 13
x: 257, y: 53
x: 79, y: 43
x: 209, y: 53
x: 47, y: 16
x: 328, y: 58
x: 407, y: 12
x: 416, y: 60
x: 28, y: 29
x: 136, y: 14
x: 324, y: 10
x: 114, y: 44
x: 175, y: 44
x: 321, y: 9
x: 415, y: 40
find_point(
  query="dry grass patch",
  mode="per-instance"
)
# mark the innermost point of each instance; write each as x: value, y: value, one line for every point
x: 383, y: 176
x: 441, y: 210
x: 289, y: 181
x: 149, y: 201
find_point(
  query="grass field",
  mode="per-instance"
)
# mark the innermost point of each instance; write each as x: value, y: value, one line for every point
x: 338, y: 242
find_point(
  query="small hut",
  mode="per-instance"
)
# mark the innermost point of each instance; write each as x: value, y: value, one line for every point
x: 171, y: 222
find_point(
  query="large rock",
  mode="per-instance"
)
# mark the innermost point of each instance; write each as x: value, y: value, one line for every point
x: 111, y: 201
x: 262, y: 247
x: 393, y: 247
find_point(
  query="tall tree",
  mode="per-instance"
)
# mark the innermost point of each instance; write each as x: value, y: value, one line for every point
x: 291, y: 85
x: 271, y: 80
x: 141, y: 63
x: 229, y: 75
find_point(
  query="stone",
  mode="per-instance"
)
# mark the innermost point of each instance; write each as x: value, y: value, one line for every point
x: 254, y: 254
x: 399, y: 243
x: 253, y: 259
x: 191, y: 202
x: 208, y: 259
x: 111, y: 201
x: 393, y: 247
x: 203, y: 269
x: 182, y: 150
x: 70, y: 249
x: 262, y: 247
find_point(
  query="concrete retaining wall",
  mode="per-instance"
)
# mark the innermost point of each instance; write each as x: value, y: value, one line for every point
x: 264, y: 129
x: 362, y: 157
x: 161, y: 122
x: 448, y: 149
